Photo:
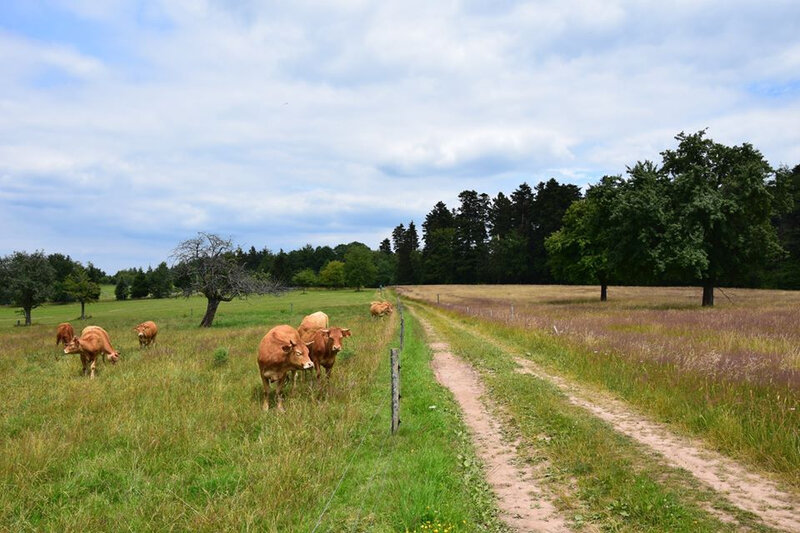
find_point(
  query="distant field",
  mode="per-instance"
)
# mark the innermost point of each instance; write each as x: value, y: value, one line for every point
x: 730, y: 374
x: 173, y: 437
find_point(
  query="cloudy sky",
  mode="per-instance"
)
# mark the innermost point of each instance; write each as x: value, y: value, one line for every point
x: 126, y: 126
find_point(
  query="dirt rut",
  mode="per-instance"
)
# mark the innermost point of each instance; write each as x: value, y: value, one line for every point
x: 744, y: 489
x: 523, y: 504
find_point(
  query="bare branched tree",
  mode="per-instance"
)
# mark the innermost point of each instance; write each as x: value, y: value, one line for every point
x: 206, y: 264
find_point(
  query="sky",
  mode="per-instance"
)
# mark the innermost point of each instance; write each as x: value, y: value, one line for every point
x: 127, y: 126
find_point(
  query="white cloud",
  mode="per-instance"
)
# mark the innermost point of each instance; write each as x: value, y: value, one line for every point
x: 290, y: 123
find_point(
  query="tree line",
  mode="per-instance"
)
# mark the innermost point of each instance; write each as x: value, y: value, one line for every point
x: 708, y: 214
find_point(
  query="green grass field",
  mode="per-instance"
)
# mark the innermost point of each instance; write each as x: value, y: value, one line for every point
x: 173, y: 437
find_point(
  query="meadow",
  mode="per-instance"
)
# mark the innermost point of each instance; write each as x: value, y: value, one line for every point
x: 173, y: 437
x: 729, y: 374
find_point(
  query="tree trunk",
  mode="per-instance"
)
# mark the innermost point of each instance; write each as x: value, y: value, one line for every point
x: 83, y: 308
x: 603, y: 292
x: 211, y: 310
x: 27, y: 316
x: 708, y: 293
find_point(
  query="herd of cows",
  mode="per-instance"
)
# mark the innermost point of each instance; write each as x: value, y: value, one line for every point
x: 314, y: 344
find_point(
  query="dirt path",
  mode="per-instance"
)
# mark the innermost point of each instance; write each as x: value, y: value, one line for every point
x: 744, y: 489
x: 523, y: 504
x: 740, y: 486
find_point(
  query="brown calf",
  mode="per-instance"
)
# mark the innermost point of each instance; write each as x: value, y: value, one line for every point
x: 327, y: 343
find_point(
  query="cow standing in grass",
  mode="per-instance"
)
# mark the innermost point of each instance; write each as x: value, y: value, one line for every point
x: 307, y: 331
x: 327, y: 343
x: 147, y: 332
x: 379, y: 309
x: 93, y: 341
x: 64, y: 333
x: 280, y: 351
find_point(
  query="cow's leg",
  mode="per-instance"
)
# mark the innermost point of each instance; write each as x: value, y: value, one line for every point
x: 93, y: 360
x: 278, y: 398
x: 265, y: 403
x: 84, y: 363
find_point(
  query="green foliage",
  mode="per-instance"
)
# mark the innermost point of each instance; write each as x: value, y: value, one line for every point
x: 359, y: 268
x: 140, y: 287
x: 786, y: 274
x: 80, y: 287
x: 723, y: 209
x: 305, y: 278
x: 221, y: 356
x: 160, y: 281
x: 469, y: 239
x: 580, y: 251
x: 332, y: 275
x: 25, y: 281
x: 122, y: 288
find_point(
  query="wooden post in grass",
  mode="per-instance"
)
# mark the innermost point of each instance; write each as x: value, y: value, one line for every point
x: 437, y: 299
x: 394, y: 355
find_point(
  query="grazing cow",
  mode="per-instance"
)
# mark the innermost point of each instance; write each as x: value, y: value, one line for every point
x: 379, y: 309
x: 280, y: 350
x: 92, y: 342
x: 64, y: 333
x: 111, y: 354
x: 147, y: 332
x: 327, y: 343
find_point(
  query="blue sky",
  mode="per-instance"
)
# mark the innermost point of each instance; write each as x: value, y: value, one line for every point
x: 128, y: 126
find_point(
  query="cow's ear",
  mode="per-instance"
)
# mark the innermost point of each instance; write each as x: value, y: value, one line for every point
x: 346, y: 332
x: 286, y: 348
x: 325, y: 332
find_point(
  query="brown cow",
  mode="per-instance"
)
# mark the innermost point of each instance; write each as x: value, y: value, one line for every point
x: 308, y: 328
x: 92, y: 342
x: 64, y: 333
x: 379, y: 309
x: 280, y: 350
x: 311, y: 324
x: 327, y: 343
x: 111, y: 354
x: 147, y: 332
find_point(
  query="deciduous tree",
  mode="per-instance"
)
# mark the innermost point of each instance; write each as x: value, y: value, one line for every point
x: 81, y: 287
x: 723, y: 209
x: 26, y: 281
x: 207, y: 264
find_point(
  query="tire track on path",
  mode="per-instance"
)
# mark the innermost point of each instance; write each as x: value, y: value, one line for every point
x: 523, y: 504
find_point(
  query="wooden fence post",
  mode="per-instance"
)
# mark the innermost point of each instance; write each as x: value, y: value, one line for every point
x: 402, y: 330
x: 394, y: 355
x: 437, y: 299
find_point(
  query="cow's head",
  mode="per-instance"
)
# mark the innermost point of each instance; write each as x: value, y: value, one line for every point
x: 113, y: 357
x: 334, y: 337
x: 74, y: 346
x: 298, y: 354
